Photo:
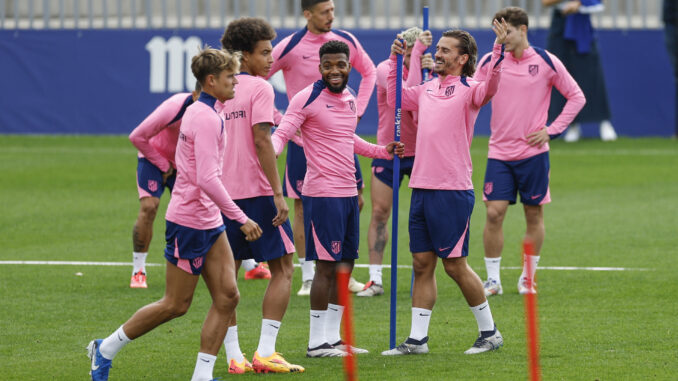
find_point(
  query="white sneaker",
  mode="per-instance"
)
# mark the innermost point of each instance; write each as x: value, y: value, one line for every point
x: 492, y: 288
x: 526, y: 286
x: 573, y: 133
x: 486, y: 344
x: 371, y: 289
x: 343, y: 347
x: 325, y: 350
x: 409, y: 347
x: 305, y: 289
x: 607, y: 132
x: 354, y: 285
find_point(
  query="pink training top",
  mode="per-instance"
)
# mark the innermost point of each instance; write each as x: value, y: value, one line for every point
x: 198, y: 195
x: 156, y: 137
x: 521, y: 104
x: 298, y: 57
x: 327, y: 121
x: 447, y: 113
x: 242, y: 175
x: 408, y: 119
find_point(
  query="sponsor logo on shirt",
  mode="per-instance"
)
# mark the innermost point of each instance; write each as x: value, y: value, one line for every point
x: 336, y: 247
x: 235, y: 115
x: 533, y: 70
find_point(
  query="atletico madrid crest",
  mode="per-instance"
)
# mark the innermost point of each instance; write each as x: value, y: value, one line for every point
x: 533, y: 70
x: 336, y: 247
x: 488, y: 188
x: 152, y: 185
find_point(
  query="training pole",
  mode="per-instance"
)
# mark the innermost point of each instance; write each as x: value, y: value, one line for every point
x: 394, y: 221
x: 343, y: 275
x: 531, y: 321
x: 424, y: 72
x: 424, y: 76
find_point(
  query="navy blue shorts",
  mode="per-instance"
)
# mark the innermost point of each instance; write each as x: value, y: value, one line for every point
x: 149, y: 179
x: 295, y: 171
x: 187, y: 247
x: 530, y: 177
x: 382, y: 169
x: 332, y: 227
x: 439, y: 221
x: 274, y: 242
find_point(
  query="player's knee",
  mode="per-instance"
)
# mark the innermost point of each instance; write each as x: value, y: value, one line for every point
x: 495, y: 216
x: 148, y: 210
x: 228, y: 300
x: 422, y: 267
x: 175, y: 308
x: 380, y: 213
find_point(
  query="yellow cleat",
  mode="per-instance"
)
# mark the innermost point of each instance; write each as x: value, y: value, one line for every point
x: 240, y: 368
x: 274, y: 364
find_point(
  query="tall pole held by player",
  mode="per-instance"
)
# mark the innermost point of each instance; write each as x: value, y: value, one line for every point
x: 425, y: 72
x: 394, y: 222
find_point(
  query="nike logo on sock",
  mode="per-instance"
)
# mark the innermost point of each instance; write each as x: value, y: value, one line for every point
x: 276, y: 327
x: 119, y: 338
x: 482, y: 308
x: 315, y: 316
x: 424, y: 314
x: 332, y: 309
x: 203, y: 360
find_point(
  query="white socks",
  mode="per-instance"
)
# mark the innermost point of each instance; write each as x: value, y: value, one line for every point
x: 420, y: 320
x: 269, y: 333
x: 534, y: 261
x: 483, y: 317
x: 375, y: 274
x: 249, y: 264
x: 316, y: 335
x: 307, y: 271
x: 111, y: 345
x: 138, y: 262
x: 333, y: 323
x: 204, y: 366
x: 493, y: 265
x: 232, y: 346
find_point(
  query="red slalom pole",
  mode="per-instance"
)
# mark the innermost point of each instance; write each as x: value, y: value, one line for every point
x: 343, y: 275
x: 531, y: 320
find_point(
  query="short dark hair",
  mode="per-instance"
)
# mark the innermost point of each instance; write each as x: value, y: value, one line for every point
x: 244, y: 33
x: 306, y: 5
x: 334, y: 46
x: 513, y: 15
x: 467, y: 45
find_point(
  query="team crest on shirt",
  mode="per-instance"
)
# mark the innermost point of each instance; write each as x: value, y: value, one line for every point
x: 488, y: 188
x: 336, y: 247
x: 197, y: 262
x: 533, y: 70
x: 449, y: 91
x: 351, y: 104
x: 152, y: 185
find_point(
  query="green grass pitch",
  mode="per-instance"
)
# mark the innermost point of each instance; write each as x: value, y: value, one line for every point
x: 614, y: 204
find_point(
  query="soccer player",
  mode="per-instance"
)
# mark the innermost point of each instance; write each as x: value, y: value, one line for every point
x: 442, y: 194
x: 382, y: 170
x: 196, y: 242
x: 156, y: 139
x: 251, y: 178
x: 297, y: 56
x: 518, y: 158
x: 327, y: 115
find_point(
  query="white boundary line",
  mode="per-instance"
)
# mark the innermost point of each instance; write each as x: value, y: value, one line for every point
x: 359, y: 265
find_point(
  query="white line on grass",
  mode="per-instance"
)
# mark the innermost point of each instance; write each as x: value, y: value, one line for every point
x: 360, y: 265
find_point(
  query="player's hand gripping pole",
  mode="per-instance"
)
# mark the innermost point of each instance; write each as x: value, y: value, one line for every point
x: 425, y: 72
x: 531, y: 321
x: 394, y: 221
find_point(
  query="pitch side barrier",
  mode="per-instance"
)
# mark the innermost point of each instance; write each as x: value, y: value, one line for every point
x: 104, y: 81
